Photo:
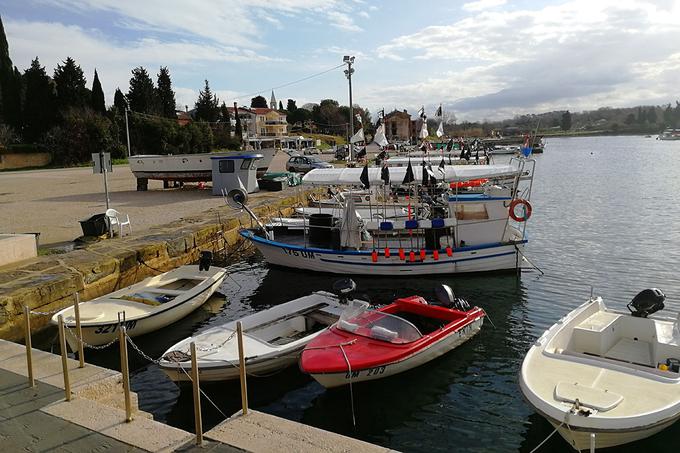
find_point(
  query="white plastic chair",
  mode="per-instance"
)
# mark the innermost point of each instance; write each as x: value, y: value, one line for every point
x: 116, y: 218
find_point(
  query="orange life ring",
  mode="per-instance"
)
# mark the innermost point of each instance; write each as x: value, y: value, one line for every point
x: 527, y: 210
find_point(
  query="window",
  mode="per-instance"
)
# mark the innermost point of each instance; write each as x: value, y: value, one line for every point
x: 245, y: 164
x: 226, y: 166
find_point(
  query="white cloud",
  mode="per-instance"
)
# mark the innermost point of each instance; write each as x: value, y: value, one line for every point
x: 342, y: 21
x: 364, y: 14
x: 483, y: 4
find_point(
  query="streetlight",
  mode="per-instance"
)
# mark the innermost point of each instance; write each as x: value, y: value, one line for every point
x: 348, y: 73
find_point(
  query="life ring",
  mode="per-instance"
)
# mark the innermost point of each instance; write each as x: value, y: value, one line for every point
x: 527, y: 210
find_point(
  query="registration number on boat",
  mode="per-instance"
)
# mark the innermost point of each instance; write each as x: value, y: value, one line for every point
x: 370, y: 372
x: 302, y: 253
x: 109, y: 328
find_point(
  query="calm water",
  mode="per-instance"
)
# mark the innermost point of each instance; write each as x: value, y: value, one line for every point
x: 604, y: 216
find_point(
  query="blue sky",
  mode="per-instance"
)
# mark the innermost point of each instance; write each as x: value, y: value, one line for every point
x: 484, y: 59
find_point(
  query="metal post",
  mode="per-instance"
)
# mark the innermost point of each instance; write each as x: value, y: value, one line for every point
x: 127, y: 132
x: 79, y: 333
x: 102, y: 162
x: 197, y: 396
x: 242, y: 368
x: 348, y: 72
x: 124, y: 370
x: 64, y: 362
x: 592, y: 442
x: 29, y: 346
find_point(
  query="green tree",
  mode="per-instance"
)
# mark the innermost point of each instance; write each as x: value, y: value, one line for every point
x: 119, y: 102
x: 166, y: 96
x: 97, y: 102
x: 225, y: 117
x: 238, y: 126
x: 668, y: 115
x: 39, y: 102
x: 71, y: 90
x: 630, y: 119
x: 651, y: 115
x: 141, y: 96
x: 10, y: 85
x: 280, y: 105
x: 641, y: 117
x: 291, y: 106
x: 258, y: 102
x: 565, y: 123
x: 207, y: 105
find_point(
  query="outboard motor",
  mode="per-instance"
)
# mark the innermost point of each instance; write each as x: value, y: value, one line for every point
x: 646, y: 302
x: 446, y: 298
x: 205, y: 260
x: 344, y: 289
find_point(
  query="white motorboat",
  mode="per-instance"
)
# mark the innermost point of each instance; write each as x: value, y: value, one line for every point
x: 272, y: 340
x: 669, y: 134
x: 606, y: 373
x: 144, y: 307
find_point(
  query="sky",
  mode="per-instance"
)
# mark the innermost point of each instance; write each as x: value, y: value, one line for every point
x: 483, y: 60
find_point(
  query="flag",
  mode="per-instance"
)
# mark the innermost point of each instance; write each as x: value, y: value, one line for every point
x: 364, y: 177
x: 442, y: 164
x: 423, y: 129
x: 358, y: 117
x: 385, y: 174
x: 358, y: 137
x: 421, y: 112
x: 379, y: 137
x: 426, y: 177
x: 433, y: 179
x: 440, y: 129
x: 449, y: 145
x: 361, y: 153
x: 439, y: 111
x: 408, y: 177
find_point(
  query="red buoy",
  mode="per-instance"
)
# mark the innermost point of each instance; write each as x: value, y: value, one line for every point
x: 402, y: 255
x: 374, y: 256
x: 412, y: 256
x: 387, y: 252
x: 449, y: 251
x: 422, y: 255
x: 435, y: 255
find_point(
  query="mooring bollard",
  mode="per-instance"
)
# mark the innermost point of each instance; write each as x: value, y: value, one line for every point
x: 197, y: 396
x: 29, y: 346
x: 64, y: 357
x: 124, y: 371
x: 79, y: 332
x: 242, y: 368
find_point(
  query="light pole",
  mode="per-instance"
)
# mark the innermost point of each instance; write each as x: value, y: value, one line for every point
x: 348, y: 73
x: 127, y: 131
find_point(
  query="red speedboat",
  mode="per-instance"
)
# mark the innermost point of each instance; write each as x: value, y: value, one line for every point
x: 370, y: 344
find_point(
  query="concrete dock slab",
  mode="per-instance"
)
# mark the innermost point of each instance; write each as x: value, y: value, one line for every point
x: 266, y: 433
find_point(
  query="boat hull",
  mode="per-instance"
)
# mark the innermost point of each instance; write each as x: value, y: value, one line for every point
x: 493, y: 257
x: 452, y: 341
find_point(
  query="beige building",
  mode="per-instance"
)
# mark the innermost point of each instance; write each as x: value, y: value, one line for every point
x: 398, y: 126
x: 270, y: 122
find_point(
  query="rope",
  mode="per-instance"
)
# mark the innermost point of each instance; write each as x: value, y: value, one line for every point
x: 204, y: 394
x: 143, y: 263
x: 573, y: 407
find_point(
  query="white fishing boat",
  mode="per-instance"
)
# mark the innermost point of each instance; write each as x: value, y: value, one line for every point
x: 604, y: 377
x: 669, y: 134
x: 452, y: 233
x: 272, y: 339
x: 144, y: 307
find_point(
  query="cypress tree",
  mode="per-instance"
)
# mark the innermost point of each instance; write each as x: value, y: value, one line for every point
x: 142, y: 94
x: 39, y: 104
x: 280, y: 105
x: 119, y: 101
x: 291, y: 106
x: 71, y: 90
x: 10, y: 85
x: 207, y: 105
x: 166, y: 96
x: 97, y: 101
x: 239, y: 128
x: 225, y: 118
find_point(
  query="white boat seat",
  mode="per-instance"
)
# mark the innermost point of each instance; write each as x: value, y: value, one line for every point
x: 596, y: 398
x: 627, y: 350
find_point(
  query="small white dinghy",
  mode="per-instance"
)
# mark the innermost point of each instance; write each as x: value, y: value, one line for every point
x: 608, y: 373
x: 149, y: 305
x: 272, y: 339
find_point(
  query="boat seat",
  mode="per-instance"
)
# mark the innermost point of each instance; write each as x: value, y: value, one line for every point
x: 627, y: 350
x: 324, y: 318
x: 169, y: 292
x: 596, y: 398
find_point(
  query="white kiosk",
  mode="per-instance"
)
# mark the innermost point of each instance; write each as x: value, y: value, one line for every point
x: 231, y: 172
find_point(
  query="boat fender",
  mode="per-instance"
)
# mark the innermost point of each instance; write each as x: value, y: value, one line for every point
x: 205, y: 260
x: 402, y: 254
x: 449, y: 251
x: 412, y: 256
x: 527, y: 210
x: 374, y: 256
x: 422, y: 255
x: 435, y: 255
x: 387, y: 252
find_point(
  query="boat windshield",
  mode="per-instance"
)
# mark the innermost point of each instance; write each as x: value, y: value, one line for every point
x: 360, y: 320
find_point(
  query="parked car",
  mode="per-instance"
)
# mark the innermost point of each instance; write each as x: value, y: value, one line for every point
x: 310, y: 151
x: 341, y: 152
x: 302, y: 164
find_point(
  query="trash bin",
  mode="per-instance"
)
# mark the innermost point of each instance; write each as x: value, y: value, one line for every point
x: 95, y: 225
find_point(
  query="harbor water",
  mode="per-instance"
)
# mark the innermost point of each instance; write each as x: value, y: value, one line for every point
x: 604, y: 219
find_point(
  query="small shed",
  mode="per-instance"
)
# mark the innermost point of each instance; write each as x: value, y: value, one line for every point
x: 231, y: 172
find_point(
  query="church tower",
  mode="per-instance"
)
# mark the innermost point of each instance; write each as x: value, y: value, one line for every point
x: 272, y: 102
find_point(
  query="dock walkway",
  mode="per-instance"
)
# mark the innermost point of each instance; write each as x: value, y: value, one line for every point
x: 39, y: 419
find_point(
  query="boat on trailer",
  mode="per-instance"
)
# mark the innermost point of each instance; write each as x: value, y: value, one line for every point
x: 272, y: 339
x: 367, y: 344
x: 144, y: 307
x: 454, y: 232
x: 604, y: 377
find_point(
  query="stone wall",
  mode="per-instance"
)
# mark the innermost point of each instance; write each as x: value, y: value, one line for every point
x: 49, y: 282
x: 10, y: 161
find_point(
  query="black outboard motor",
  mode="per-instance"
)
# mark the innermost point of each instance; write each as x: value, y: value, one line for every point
x: 646, y: 302
x: 344, y: 289
x: 446, y: 298
x: 205, y: 260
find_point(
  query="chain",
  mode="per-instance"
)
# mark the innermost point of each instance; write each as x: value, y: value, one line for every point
x: 140, y: 352
x: 87, y: 345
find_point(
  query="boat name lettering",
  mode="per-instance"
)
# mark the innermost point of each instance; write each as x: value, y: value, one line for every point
x: 109, y: 328
x: 370, y: 372
x: 302, y: 253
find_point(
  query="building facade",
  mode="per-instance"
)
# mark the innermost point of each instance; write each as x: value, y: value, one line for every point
x: 270, y: 122
x: 398, y: 126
